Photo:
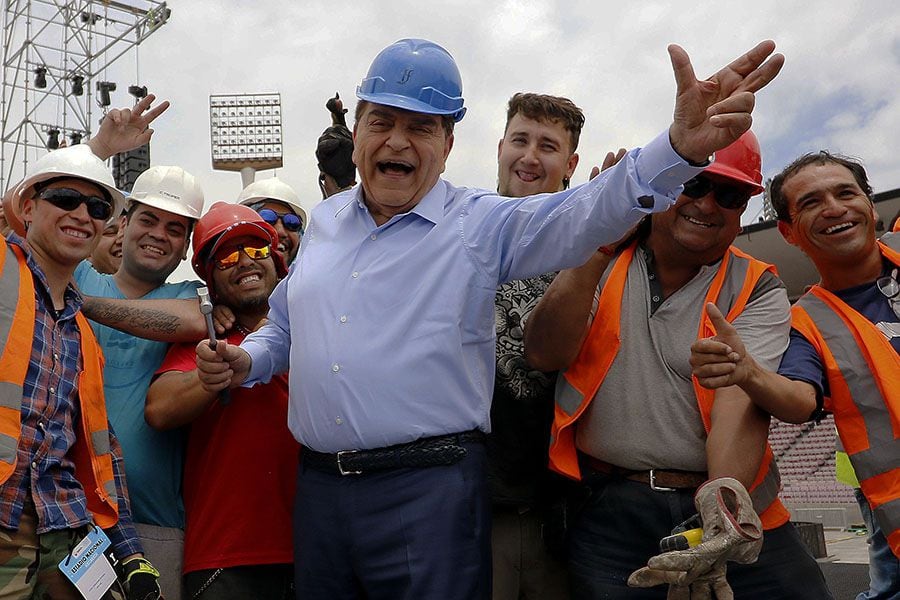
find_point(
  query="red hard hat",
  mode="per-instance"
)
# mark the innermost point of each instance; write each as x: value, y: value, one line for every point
x: 225, y: 221
x: 741, y: 161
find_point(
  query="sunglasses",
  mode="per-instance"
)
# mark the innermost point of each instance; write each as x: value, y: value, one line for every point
x: 890, y: 289
x: 232, y: 258
x: 290, y: 221
x: 69, y: 199
x: 727, y: 196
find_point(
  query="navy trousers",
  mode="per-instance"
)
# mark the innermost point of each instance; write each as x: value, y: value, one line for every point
x: 622, y: 522
x: 413, y: 534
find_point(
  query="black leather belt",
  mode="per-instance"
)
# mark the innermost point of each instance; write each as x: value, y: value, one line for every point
x: 424, y: 452
x: 660, y: 480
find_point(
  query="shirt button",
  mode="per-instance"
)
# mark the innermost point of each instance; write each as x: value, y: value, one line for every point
x: 335, y: 368
x: 355, y: 274
x: 52, y: 390
x: 373, y: 237
x: 343, y: 318
x: 56, y: 356
x: 34, y: 464
x: 338, y: 420
x: 41, y: 425
x: 651, y: 276
x: 656, y: 298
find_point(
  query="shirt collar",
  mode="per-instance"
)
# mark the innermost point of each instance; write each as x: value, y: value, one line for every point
x: 430, y: 207
x: 72, y: 296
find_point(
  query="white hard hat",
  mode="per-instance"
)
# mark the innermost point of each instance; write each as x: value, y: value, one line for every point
x: 171, y: 189
x: 75, y: 161
x: 273, y: 189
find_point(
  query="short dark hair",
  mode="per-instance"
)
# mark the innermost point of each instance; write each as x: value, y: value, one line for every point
x: 447, y: 121
x: 133, y: 205
x: 541, y: 107
x: 822, y: 157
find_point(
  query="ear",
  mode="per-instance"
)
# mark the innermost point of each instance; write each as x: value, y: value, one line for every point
x: 448, y: 146
x: 787, y: 232
x: 353, y: 156
x: 499, y: 149
x: 570, y: 166
x: 27, y: 211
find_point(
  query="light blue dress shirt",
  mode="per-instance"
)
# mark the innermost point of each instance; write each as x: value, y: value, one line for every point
x: 389, y: 330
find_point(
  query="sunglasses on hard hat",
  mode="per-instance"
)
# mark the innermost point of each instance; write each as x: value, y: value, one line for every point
x: 290, y: 221
x: 727, y: 196
x: 227, y: 261
x: 69, y: 199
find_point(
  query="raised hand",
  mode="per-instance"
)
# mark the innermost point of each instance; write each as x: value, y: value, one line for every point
x: 721, y: 360
x: 713, y: 113
x: 125, y: 129
x: 609, y: 160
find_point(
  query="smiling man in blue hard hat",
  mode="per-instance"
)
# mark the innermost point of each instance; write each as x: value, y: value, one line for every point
x: 386, y: 320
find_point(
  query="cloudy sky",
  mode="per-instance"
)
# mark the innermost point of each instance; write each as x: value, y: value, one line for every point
x: 838, y: 89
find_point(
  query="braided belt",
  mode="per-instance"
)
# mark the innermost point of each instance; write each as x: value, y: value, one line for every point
x: 425, y: 452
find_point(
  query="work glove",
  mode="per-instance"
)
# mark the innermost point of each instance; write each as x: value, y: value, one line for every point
x: 139, y: 579
x: 732, y: 531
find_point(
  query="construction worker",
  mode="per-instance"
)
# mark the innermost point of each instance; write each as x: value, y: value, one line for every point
x: 844, y: 343
x: 107, y: 256
x: 536, y: 155
x: 163, y: 206
x: 387, y: 320
x: 628, y: 421
x: 60, y: 462
x: 279, y: 206
x: 334, y: 152
x: 241, y: 460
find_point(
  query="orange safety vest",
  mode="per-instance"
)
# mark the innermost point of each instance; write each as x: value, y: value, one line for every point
x: 864, y: 385
x: 730, y: 289
x: 91, y: 451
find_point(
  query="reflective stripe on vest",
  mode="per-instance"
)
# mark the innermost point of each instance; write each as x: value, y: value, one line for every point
x: 863, y: 372
x: 730, y: 290
x: 91, y: 451
x: 864, y: 383
x: 16, y: 324
x: 883, y: 451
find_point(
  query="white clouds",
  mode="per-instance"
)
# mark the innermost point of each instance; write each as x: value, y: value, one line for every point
x: 838, y: 88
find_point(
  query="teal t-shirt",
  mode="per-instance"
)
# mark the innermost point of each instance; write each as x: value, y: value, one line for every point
x: 153, y: 459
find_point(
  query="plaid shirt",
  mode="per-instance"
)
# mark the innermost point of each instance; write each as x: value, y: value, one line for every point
x: 44, y: 473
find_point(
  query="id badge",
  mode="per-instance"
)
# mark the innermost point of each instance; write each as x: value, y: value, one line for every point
x: 88, y: 567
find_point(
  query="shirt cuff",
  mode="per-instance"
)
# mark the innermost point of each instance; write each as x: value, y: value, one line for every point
x: 260, y: 363
x: 124, y: 540
x: 660, y: 169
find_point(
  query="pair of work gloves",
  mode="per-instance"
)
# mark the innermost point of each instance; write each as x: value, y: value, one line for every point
x: 732, y: 531
x: 140, y: 580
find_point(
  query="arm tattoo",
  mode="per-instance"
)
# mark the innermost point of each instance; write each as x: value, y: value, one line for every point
x: 136, y: 321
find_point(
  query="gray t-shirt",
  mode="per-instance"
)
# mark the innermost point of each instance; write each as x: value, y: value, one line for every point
x: 645, y: 414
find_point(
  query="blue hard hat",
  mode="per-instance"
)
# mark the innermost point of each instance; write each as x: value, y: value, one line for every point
x: 415, y: 75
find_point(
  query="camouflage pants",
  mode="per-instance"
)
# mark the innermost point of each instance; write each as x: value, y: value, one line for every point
x: 29, y: 563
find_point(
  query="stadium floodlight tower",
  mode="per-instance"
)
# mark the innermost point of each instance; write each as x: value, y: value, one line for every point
x: 52, y: 52
x: 245, y: 133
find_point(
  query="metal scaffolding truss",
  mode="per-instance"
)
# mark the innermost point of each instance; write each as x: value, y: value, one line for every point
x: 68, y: 44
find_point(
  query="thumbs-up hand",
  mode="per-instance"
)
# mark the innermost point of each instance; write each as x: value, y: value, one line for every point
x: 721, y: 360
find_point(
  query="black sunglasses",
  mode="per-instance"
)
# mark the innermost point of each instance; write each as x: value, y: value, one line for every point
x: 727, y: 196
x: 69, y: 199
x: 290, y: 221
